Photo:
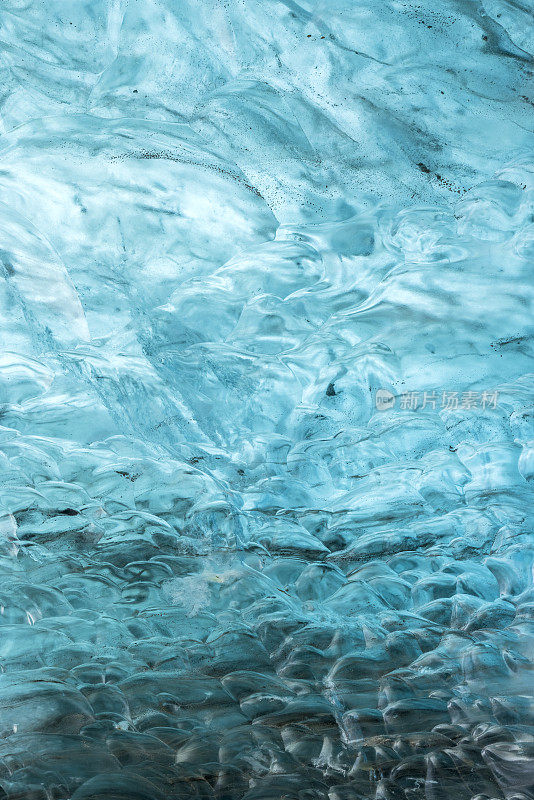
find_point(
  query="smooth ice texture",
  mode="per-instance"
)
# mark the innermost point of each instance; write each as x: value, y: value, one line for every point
x: 266, y: 389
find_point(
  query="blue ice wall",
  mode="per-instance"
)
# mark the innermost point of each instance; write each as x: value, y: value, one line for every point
x: 266, y: 396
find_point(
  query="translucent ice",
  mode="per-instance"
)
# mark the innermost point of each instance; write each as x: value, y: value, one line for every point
x: 266, y: 393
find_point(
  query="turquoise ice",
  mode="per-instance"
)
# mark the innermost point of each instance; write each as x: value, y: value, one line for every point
x: 266, y: 395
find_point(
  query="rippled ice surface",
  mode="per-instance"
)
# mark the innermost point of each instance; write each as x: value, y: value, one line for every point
x: 266, y: 400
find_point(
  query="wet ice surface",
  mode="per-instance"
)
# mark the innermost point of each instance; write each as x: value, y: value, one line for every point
x: 224, y: 572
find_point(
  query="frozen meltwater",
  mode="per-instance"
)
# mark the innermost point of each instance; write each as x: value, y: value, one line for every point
x: 266, y: 395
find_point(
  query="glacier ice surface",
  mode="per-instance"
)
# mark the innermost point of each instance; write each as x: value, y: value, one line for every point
x: 266, y: 392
